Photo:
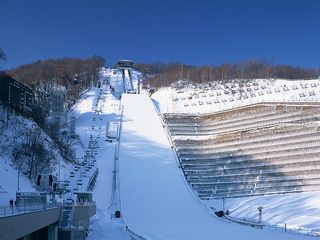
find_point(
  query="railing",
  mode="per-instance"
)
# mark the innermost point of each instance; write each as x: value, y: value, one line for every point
x: 246, y: 222
x: 83, y: 204
x: 295, y: 231
x: 6, y: 211
x: 134, y: 235
x: 277, y: 228
x: 115, y: 201
x: 92, y: 178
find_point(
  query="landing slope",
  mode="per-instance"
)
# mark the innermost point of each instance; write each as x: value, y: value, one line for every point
x: 155, y: 200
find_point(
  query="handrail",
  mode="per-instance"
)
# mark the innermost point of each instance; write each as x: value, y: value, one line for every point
x: 6, y: 211
x: 244, y: 221
x: 115, y: 193
x: 92, y: 178
x: 134, y: 235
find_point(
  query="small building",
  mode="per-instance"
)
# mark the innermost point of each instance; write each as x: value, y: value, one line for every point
x: 15, y: 94
x: 125, y: 64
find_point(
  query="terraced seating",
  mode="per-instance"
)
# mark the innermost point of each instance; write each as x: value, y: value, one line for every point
x: 279, y: 134
x: 245, y: 192
x: 265, y: 149
x: 249, y: 123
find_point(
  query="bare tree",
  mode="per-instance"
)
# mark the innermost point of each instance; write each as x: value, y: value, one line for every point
x: 3, y: 56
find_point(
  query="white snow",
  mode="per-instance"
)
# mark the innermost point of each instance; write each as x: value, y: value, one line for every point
x: 13, y: 131
x: 94, y: 111
x: 299, y: 211
x: 226, y: 95
x: 155, y: 199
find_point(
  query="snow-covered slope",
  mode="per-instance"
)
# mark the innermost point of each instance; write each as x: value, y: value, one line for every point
x: 96, y: 109
x: 221, y: 96
x: 155, y: 200
x: 297, y: 211
x: 17, y: 135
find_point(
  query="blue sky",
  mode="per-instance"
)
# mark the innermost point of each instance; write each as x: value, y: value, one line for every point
x: 193, y: 32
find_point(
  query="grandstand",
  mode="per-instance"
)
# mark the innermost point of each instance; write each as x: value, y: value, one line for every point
x: 254, y: 150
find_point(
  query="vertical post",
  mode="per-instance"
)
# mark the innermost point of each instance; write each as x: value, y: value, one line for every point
x: 223, y: 204
x: 124, y: 81
x: 59, y: 168
x: 18, y: 181
x: 260, y: 214
x: 53, y: 232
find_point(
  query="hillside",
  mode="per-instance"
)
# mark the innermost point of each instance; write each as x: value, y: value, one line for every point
x: 218, y: 96
x: 25, y: 149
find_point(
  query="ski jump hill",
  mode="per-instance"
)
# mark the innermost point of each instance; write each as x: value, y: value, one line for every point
x: 156, y: 201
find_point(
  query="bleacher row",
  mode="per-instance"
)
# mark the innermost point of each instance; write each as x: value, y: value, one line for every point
x: 254, y: 150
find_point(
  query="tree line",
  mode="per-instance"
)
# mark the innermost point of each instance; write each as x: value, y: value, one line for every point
x: 161, y: 74
x: 75, y: 74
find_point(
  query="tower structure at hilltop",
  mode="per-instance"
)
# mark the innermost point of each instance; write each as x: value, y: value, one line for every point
x: 125, y: 67
x: 58, y: 101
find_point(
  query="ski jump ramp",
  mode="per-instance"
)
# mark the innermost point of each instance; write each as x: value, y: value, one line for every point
x: 155, y: 200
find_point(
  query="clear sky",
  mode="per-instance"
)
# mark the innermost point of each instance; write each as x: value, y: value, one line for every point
x: 192, y: 31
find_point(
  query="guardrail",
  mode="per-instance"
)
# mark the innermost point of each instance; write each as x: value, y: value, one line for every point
x: 6, y: 211
x: 92, y: 178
